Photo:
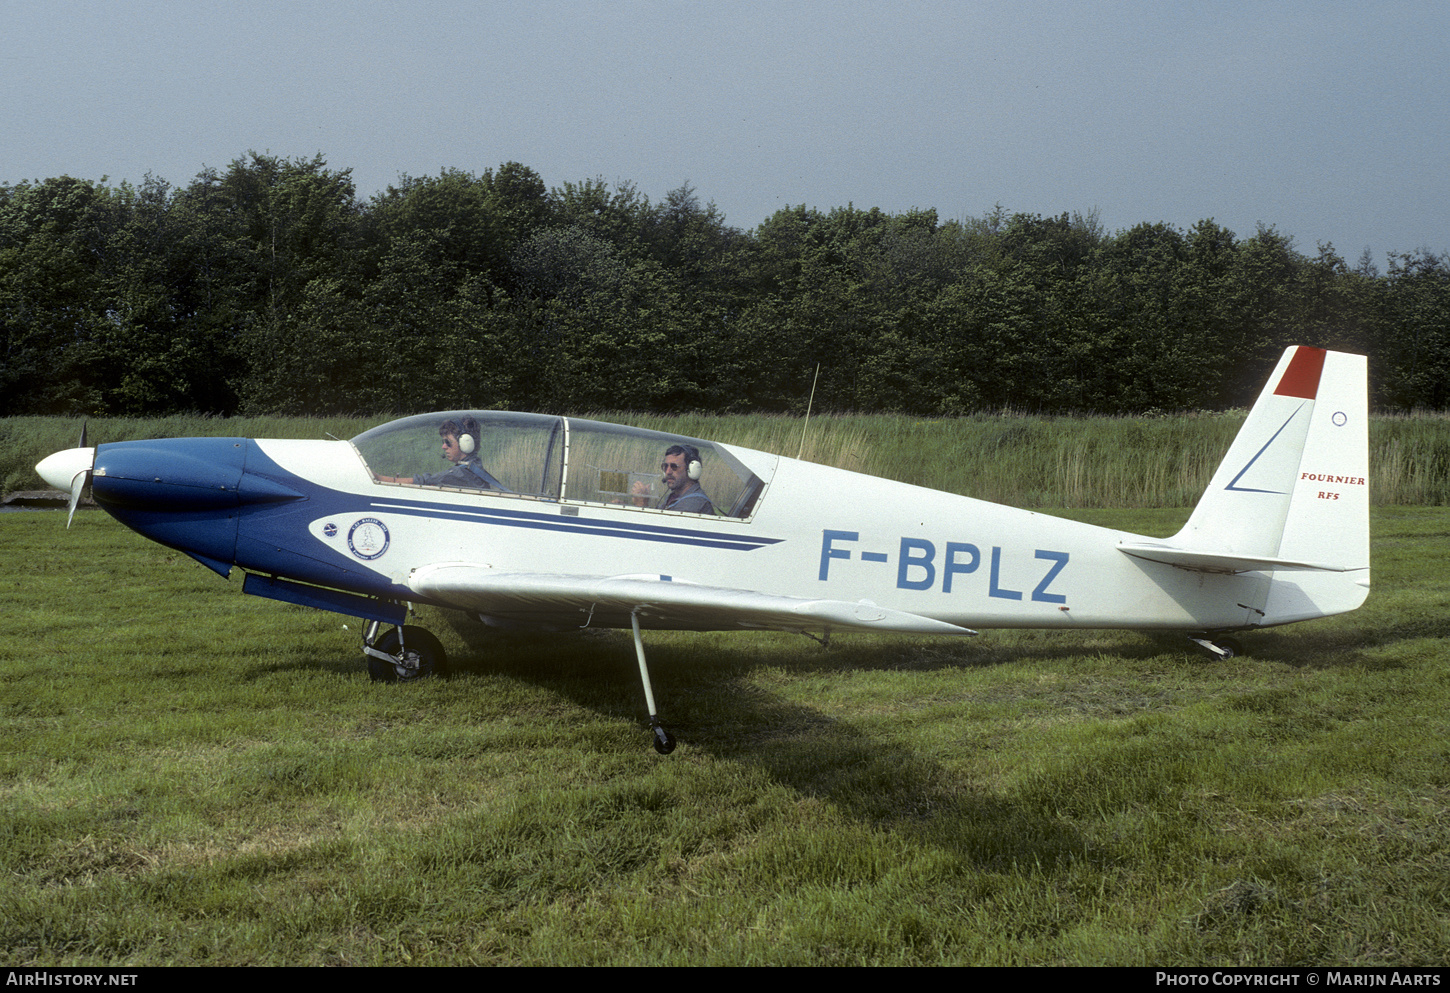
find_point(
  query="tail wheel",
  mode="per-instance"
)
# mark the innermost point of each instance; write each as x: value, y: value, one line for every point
x: 423, y: 656
x: 1217, y: 648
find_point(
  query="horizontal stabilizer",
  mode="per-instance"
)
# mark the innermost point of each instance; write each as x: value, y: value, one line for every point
x: 1224, y: 562
x: 608, y: 601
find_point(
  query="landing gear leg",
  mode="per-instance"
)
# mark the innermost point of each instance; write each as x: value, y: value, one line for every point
x: 664, y: 741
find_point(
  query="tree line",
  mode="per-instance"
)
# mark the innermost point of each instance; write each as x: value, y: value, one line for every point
x: 271, y: 287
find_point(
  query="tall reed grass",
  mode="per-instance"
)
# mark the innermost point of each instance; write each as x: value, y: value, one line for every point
x: 1073, y: 462
x: 1023, y: 460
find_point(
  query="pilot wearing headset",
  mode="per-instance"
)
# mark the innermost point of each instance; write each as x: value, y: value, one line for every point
x: 460, y: 446
x: 682, y: 468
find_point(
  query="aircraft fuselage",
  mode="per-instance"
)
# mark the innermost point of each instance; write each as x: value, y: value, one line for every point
x: 312, y: 512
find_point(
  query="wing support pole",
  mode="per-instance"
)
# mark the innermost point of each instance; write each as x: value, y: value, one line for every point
x: 664, y: 741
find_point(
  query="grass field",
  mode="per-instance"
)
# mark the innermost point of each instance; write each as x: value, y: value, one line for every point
x: 192, y: 776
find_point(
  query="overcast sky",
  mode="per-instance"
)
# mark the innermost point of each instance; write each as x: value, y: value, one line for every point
x: 1327, y: 120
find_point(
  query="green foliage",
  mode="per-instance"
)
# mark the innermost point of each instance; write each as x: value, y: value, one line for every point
x: 1417, y: 299
x: 269, y: 287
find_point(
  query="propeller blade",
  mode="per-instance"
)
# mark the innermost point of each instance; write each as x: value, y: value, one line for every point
x: 76, y: 485
x: 79, y: 483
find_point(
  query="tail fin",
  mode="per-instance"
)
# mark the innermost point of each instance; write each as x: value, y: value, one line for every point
x: 1295, y: 483
x: 1292, y: 496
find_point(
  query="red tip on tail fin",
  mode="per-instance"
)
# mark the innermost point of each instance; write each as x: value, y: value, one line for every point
x: 1301, y: 379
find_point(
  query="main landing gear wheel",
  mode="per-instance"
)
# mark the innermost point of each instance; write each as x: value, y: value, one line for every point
x: 422, y: 656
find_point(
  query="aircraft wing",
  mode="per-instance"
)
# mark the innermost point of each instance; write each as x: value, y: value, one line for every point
x: 607, y: 601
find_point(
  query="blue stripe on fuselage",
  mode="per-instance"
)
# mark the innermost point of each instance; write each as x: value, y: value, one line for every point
x: 575, y: 525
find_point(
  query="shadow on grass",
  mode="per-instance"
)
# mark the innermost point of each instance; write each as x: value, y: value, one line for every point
x: 1343, y: 643
x: 712, y: 701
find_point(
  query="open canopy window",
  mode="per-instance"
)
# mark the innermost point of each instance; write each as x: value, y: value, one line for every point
x: 551, y: 458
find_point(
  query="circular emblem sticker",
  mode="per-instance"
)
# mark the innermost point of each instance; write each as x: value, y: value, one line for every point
x: 368, y: 538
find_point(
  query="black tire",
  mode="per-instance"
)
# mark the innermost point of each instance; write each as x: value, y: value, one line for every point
x: 422, y: 647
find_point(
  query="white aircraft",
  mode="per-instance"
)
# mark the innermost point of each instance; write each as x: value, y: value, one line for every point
x: 555, y: 522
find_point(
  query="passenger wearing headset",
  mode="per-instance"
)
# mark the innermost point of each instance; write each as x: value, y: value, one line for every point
x: 682, y: 468
x: 460, y: 446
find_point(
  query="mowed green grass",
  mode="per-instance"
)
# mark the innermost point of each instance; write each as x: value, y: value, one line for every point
x: 192, y: 776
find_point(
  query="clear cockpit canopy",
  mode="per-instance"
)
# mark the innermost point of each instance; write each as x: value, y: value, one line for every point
x: 542, y: 457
